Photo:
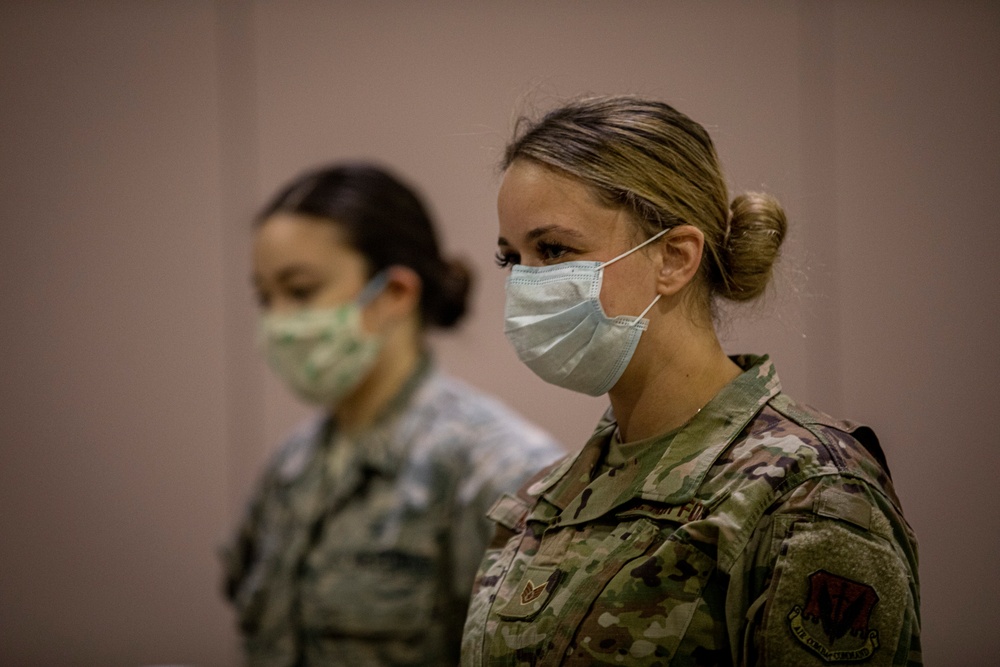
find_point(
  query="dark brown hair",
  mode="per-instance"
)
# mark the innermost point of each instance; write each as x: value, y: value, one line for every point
x: 386, y: 221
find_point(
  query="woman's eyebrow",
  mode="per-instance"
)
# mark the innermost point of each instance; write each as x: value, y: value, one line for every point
x: 548, y: 229
x: 542, y: 231
x: 294, y: 271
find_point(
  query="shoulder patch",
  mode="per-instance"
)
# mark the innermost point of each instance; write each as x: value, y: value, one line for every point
x: 833, y: 620
x: 839, y: 595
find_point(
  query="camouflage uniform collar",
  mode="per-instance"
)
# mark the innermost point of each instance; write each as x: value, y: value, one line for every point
x: 688, y: 453
x: 382, y: 447
x: 684, y: 464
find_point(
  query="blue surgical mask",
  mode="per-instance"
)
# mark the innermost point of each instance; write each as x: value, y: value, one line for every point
x: 555, y: 321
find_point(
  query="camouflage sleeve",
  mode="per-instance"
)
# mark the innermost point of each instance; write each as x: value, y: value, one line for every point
x: 498, y: 465
x: 839, y: 578
x: 241, y: 551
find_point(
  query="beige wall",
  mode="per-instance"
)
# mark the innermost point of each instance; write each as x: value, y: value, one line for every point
x: 138, y: 138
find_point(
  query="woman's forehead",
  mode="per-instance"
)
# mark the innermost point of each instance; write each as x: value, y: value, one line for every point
x: 534, y: 199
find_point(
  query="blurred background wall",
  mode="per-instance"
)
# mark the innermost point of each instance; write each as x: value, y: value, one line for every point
x: 137, y: 139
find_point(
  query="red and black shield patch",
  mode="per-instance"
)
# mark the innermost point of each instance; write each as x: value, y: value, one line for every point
x: 834, y: 619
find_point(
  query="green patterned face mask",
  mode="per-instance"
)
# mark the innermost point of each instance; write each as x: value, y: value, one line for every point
x: 323, y: 353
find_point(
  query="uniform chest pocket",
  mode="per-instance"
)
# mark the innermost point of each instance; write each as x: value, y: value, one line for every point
x: 644, y: 612
x: 371, y: 594
x: 621, y: 594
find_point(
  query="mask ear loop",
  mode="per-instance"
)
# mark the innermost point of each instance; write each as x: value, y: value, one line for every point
x: 629, y: 252
x: 641, y: 245
x: 649, y: 307
x: 373, y: 288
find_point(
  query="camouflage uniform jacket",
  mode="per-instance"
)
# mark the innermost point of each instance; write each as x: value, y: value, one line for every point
x: 364, y: 553
x: 764, y: 533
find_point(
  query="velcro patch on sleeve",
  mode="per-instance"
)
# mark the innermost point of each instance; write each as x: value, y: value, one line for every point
x: 838, y: 504
x: 840, y: 596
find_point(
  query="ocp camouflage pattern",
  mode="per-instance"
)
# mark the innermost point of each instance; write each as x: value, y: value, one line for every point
x: 762, y: 533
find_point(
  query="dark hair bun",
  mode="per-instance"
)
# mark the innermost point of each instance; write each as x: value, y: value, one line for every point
x: 386, y: 221
x: 447, y: 292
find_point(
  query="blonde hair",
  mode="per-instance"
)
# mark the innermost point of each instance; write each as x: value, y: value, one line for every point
x: 661, y: 166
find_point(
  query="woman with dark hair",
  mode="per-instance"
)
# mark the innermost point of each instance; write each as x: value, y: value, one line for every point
x: 711, y: 519
x: 362, y: 540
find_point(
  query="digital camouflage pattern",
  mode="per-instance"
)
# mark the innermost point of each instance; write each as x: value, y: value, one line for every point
x: 363, y: 552
x: 761, y: 533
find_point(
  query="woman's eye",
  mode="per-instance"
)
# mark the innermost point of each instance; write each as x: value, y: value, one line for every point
x: 551, y: 251
x: 301, y: 294
x: 505, y: 259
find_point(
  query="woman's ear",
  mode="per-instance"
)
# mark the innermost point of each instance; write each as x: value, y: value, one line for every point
x: 681, y: 251
x: 398, y: 301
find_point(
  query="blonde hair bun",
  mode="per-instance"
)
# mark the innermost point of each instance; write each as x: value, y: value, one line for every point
x: 750, y: 246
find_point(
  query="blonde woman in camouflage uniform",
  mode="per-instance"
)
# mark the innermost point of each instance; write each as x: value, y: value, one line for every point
x: 362, y: 541
x: 710, y: 519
